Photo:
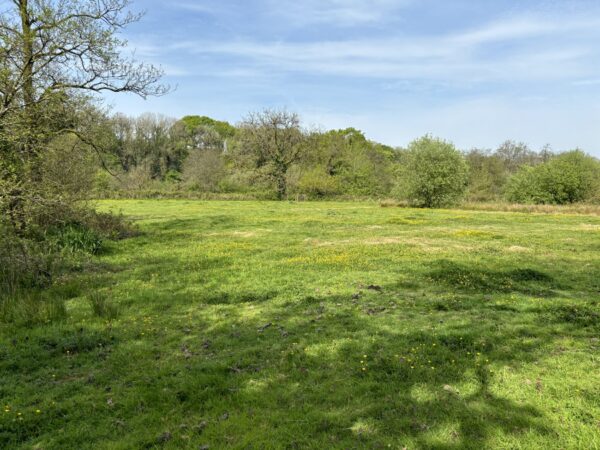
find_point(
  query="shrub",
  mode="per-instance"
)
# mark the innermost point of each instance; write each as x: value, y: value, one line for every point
x: 435, y: 174
x: 24, y: 262
x: 103, y: 183
x: 567, y: 178
x: 317, y: 184
x: 108, y: 225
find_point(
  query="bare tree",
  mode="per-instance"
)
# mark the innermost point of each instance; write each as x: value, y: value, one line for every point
x: 514, y: 155
x: 273, y: 140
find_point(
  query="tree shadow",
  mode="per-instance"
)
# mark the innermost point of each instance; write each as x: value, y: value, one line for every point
x: 358, y: 383
x: 480, y: 279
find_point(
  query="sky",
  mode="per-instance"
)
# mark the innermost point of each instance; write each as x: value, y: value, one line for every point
x: 474, y: 72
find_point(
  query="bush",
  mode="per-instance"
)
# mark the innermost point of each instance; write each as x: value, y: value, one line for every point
x: 567, y: 178
x: 44, y: 240
x: 24, y: 262
x: 435, y: 174
x: 108, y: 225
x: 317, y: 184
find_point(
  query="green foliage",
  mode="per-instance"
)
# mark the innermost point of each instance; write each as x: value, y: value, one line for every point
x: 350, y: 164
x: 197, y: 156
x: 487, y: 176
x: 318, y: 184
x: 193, y: 123
x: 567, y: 178
x: 270, y: 143
x: 55, y: 56
x: 76, y: 238
x: 436, y: 173
x: 102, y: 183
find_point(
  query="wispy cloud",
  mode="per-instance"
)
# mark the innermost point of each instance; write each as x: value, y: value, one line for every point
x: 196, y: 7
x: 335, y: 12
x: 456, y: 56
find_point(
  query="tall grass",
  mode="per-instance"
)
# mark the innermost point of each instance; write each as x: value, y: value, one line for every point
x: 28, y: 308
x: 102, y: 306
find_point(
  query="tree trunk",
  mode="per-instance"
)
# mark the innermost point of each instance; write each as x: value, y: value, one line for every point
x: 281, y: 184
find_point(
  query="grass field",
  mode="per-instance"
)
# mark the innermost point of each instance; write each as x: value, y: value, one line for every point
x: 317, y: 325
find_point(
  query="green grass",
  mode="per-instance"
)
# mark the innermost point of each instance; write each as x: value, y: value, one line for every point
x: 317, y: 325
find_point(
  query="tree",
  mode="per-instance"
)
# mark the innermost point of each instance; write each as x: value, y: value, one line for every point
x: 56, y: 50
x: 487, y: 175
x: 272, y: 141
x: 203, y: 170
x: 55, y: 56
x: 436, y: 173
x: 223, y: 129
x: 515, y: 155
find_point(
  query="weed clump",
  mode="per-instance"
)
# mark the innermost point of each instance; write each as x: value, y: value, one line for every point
x: 102, y: 306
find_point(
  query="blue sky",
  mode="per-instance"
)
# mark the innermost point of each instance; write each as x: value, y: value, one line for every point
x: 476, y: 72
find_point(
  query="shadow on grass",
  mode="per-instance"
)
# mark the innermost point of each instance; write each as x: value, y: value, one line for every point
x: 332, y: 376
x: 479, y: 279
x: 321, y: 372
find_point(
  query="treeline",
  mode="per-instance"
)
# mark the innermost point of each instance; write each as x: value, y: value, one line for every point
x: 269, y: 155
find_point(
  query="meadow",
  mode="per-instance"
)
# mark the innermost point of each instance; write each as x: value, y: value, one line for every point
x: 315, y: 325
